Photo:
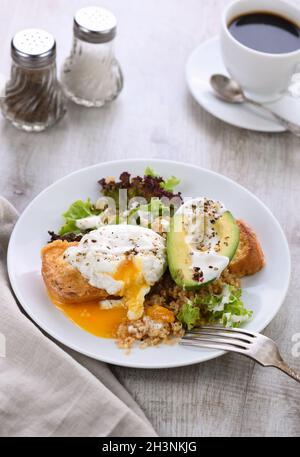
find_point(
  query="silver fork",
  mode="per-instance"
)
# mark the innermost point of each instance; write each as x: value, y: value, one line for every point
x: 254, y: 345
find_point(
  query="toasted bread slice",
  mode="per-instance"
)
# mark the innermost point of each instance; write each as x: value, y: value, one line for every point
x: 249, y: 257
x: 64, y: 282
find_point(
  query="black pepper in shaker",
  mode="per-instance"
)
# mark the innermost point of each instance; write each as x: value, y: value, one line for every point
x: 33, y: 97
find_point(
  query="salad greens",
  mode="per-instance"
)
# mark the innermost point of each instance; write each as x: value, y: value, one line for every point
x: 150, y: 172
x: 168, y: 184
x: 151, y: 187
x: 189, y: 315
x: 148, y: 186
x: 234, y: 312
x: 78, y: 210
x: 226, y: 309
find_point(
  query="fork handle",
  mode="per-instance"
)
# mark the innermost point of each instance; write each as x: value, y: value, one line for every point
x: 288, y: 370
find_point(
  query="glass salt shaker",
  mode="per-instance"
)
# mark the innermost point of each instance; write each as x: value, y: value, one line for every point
x: 91, y: 75
x: 33, y: 99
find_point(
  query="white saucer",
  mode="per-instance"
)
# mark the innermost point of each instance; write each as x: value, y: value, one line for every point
x: 206, y: 60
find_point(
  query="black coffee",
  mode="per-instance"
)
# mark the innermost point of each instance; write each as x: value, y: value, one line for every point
x: 266, y: 32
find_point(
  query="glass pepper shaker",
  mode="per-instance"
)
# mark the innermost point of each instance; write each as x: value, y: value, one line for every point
x: 91, y: 75
x: 33, y: 99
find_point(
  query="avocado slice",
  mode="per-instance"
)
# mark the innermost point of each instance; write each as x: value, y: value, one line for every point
x: 179, y: 251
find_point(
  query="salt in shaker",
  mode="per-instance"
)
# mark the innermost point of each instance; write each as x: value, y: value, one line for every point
x: 91, y: 75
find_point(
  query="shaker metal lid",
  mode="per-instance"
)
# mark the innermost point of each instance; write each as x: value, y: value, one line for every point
x: 95, y: 25
x: 33, y: 48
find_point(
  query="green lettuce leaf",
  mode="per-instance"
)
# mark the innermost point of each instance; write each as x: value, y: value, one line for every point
x: 234, y: 312
x: 170, y: 183
x: 189, y: 315
x: 227, y: 308
x: 150, y: 172
x: 78, y: 210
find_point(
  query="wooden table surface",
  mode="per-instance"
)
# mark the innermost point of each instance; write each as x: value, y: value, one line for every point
x: 156, y: 117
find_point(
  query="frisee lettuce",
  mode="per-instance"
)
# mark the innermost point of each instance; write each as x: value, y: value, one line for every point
x: 231, y: 311
x: 189, y: 315
x: 226, y: 309
x: 78, y: 210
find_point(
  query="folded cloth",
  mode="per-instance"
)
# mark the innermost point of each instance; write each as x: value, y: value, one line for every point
x: 48, y: 390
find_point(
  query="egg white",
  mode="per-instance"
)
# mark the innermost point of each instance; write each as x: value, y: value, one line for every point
x: 102, y: 252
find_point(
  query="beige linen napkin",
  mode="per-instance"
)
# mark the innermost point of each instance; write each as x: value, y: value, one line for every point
x: 45, y: 391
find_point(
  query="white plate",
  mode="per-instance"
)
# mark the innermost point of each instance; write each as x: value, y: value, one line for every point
x: 206, y: 60
x: 264, y: 292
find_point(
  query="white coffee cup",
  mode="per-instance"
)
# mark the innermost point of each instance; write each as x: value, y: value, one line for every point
x: 263, y: 76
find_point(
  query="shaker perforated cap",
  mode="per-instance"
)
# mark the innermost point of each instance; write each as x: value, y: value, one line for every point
x: 33, y: 48
x: 95, y: 25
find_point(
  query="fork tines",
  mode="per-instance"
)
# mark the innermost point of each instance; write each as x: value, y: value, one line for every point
x: 223, y: 338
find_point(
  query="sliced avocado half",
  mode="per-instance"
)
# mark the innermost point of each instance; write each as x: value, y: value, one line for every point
x: 179, y: 251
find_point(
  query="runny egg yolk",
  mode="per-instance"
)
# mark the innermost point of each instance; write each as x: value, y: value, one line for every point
x: 90, y: 317
x: 135, y: 287
x: 105, y: 322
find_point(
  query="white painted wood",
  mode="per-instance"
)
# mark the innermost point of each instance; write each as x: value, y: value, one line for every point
x: 156, y: 117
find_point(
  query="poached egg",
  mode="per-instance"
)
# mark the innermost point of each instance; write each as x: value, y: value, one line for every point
x: 199, y: 216
x: 124, y: 260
